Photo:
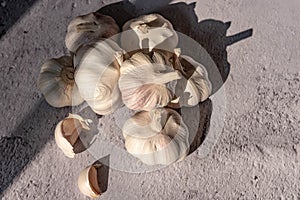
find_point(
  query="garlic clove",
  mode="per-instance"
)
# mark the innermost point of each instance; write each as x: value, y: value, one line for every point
x: 97, y: 75
x: 89, y: 28
x: 148, y: 31
x: 88, y: 182
x: 151, y: 90
x: 56, y: 82
x: 67, y: 133
x: 156, y: 137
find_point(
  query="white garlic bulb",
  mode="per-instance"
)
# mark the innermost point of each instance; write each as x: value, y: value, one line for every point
x: 195, y: 85
x: 148, y: 31
x: 56, y: 82
x: 97, y: 75
x: 88, y: 182
x: 156, y: 137
x: 67, y: 133
x: 146, y: 82
x: 88, y: 28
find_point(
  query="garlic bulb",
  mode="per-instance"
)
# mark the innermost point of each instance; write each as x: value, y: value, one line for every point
x: 56, y: 82
x: 146, y: 82
x: 97, y: 75
x: 88, y: 28
x: 195, y: 85
x: 156, y: 137
x: 148, y: 31
x: 67, y: 133
x: 88, y: 182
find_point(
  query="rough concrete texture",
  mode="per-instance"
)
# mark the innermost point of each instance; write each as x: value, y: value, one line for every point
x: 257, y: 155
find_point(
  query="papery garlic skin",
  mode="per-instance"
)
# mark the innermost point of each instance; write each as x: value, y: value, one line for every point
x: 156, y: 137
x: 97, y: 75
x: 60, y: 136
x: 87, y: 182
x: 89, y: 28
x: 148, y: 31
x: 56, y: 82
x: 144, y: 81
x: 195, y: 85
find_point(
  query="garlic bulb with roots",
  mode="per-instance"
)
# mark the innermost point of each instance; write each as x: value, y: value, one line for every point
x: 67, y: 133
x: 56, y: 82
x: 156, y: 137
x: 195, y: 86
x: 97, y: 75
x: 148, y: 31
x: 146, y: 82
x: 89, y: 28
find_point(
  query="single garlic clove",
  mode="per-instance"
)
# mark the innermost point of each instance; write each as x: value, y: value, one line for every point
x: 154, y: 89
x: 97, y: 75
x: 149, y: 31
x: 156, y: 137
x: 56, y: 82
x: 67, y: 134
x: 89, y: 28
x: 88, y: 182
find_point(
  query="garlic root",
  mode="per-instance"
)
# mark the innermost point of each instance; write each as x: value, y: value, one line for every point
x: 156, y: 137
x: 56, y: 82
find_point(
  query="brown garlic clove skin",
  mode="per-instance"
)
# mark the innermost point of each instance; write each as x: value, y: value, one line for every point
x: 67, y: 134
x: 89, y: 28
x: 92, y: 180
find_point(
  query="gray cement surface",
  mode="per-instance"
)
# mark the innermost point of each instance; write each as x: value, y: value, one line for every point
x: 257, y: 155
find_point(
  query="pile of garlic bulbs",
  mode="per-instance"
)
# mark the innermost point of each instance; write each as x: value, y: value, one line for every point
x: 145, y: 72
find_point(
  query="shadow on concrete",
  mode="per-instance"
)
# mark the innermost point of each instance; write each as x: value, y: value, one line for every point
x: 11, y: 11
x: 205, y: 110
x: 27, y: 140
x: 103, y: 173
x: 36, y: 130
x: 209, y: 33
